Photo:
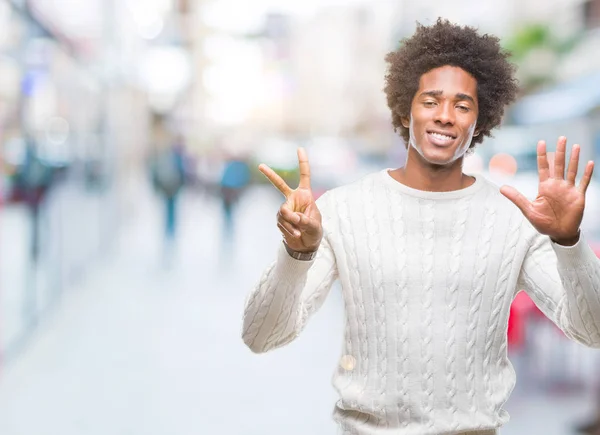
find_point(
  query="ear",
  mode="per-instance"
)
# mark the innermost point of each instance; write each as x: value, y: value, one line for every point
x: 476, y: 133
x: 405, y: 121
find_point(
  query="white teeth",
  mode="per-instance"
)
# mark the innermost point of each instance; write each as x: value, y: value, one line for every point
x: 441, y: 136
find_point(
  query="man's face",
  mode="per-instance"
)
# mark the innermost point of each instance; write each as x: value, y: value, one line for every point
x: 444, y: 114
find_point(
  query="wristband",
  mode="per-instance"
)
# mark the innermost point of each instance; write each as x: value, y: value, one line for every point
x: 303, y: 256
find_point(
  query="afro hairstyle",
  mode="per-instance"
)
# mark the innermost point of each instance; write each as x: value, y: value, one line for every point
x: 441, y: 44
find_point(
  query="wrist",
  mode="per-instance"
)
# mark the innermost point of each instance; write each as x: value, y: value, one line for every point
x: 301, y: 255
x: 567, y: 241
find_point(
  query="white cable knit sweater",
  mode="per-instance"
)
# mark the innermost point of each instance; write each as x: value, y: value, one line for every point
x: 427, y: 279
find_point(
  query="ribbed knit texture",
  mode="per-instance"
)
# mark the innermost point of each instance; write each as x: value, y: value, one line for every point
x: 428, y: 279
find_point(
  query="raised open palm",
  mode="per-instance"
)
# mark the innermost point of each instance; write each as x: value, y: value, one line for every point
x: 558, y: 209
x: 298, y: 218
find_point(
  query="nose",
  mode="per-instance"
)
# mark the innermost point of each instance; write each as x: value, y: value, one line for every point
x: 445, y: 114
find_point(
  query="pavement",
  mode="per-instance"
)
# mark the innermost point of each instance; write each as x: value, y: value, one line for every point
x: 149, y: 344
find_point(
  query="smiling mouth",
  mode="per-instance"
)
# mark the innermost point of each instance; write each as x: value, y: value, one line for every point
x: 440, y: 138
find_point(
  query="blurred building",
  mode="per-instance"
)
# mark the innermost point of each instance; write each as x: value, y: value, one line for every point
x: 293, y: 75
x: 78, y: 88
x: 336, y: 66
x: 568, y: 100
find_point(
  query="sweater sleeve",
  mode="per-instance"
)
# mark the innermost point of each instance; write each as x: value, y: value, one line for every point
x: 564, y: 282
x: 287, y: 294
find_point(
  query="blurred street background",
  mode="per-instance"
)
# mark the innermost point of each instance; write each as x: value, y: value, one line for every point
x: 134, y: 223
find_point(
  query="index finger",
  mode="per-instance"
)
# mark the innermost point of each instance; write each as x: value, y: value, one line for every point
x: 304, y: 168
x: 542, y: 160
x: 275, y: 179
x: 587, y: 177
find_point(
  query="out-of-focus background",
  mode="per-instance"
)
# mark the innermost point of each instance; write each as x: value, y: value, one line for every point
x: 133, y: 221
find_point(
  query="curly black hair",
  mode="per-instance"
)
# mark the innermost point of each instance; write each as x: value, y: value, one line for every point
x: 444, y: 43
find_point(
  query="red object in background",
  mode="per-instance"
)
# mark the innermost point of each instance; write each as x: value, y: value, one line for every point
x: 521, y: 308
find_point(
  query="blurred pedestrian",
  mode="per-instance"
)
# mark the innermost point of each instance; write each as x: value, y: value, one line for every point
x: 32, y: 181
x: 429, y: 257
x: 234, y: 180
x: 169, y: 177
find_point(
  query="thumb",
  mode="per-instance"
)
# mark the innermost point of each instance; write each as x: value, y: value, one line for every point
x: 516, y: 198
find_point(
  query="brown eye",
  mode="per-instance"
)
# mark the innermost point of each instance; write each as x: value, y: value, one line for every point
x: 429, y: 103
x: 463, y: 108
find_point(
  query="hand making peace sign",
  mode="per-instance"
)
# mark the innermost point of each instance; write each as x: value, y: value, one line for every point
x: 298, y: 219
x: 558, y: 209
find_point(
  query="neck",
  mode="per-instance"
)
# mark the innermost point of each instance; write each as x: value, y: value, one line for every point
x: 422, y: 175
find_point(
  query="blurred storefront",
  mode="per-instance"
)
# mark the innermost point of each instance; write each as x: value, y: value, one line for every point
x: 571, y: 108
x: 71, y: 129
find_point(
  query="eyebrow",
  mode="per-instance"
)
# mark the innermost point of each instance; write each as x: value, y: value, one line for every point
x: 459, y: 96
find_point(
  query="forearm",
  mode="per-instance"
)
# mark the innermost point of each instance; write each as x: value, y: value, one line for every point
x: 272, y: 309
x: 579, y: 271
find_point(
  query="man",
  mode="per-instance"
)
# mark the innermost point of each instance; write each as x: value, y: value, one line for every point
x: 168, y: 178
x: 430, y: 258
